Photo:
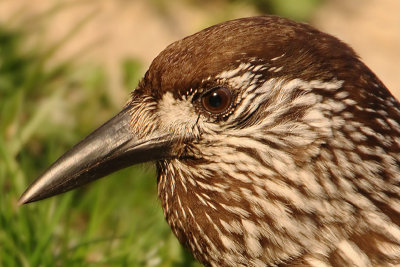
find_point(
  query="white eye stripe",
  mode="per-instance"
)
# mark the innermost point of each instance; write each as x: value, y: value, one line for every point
x: 280, y: 95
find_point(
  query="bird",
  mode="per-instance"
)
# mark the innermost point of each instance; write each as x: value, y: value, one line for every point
x: 274, y: 145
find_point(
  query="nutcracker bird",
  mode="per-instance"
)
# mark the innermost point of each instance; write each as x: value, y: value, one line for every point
x: 274, y: 146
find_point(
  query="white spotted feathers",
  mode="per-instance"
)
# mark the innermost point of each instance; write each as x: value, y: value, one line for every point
x: 302, y: 169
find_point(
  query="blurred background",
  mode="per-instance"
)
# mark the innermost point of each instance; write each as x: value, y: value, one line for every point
x: 66, y: 66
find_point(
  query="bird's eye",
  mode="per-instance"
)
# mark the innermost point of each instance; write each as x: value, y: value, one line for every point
x: 217, y: 100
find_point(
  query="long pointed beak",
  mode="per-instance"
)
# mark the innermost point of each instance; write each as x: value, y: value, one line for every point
x: 109, y: 148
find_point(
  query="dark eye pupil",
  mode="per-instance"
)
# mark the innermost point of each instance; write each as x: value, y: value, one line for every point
x: 217, y: 101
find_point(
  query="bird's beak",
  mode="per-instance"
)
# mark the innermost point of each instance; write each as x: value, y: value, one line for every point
x: 111, y: 147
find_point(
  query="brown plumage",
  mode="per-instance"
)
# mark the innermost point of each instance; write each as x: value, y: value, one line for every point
x: 274, y: 144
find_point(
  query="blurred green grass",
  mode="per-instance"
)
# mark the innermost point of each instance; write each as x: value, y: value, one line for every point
x: 45, y: 108
x: 300, y: 10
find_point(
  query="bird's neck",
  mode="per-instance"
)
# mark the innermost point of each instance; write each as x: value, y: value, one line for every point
x: 210, y: 218
x: 225, y: 220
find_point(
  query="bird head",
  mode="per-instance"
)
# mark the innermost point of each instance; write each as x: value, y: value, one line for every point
x: 253, y: 125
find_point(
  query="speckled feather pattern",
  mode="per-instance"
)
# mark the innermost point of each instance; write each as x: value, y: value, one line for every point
x: 302, y: 170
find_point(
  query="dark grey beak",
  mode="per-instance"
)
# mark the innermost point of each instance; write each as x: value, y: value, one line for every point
x: 109, y: 148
